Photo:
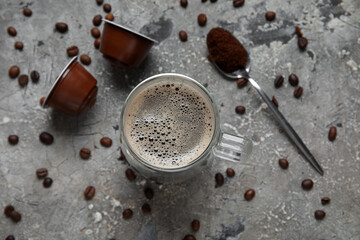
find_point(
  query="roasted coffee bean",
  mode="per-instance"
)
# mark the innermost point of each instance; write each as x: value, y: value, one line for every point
x: 325, y: 200
x: 319, y: 214
x: 122, y: 155
x: 219, y: 179
x: 95, y: 32
x: 298, y: 31
x: 85, y: 59
x: 97, y: 20
x: 107, y: 7
x: 278, y: 81
x: 130, y: 175
x: 89, y: 192
x: 127, y: 213
x: 145, y: 208
x: 202, y: 19
x: 183, y: 3
x: 41, y: 173
x: 109, y: 16
x: 85, y: 153
x: 203, y: 1
x: 35, y: 76
x: 106, y: 142
x: 18, y: 45
x: 332, y: 133
x: 189, y: 237
x: 10, y: 237
x: 99, y: 2
x: 213, y: 1
x: 13, y: 139
x: 61, y: 27
x: 238, y: 3
x: 149, y: 193
x: 242, y: 82
x: 302, y: 43
x: 307, y: 184
x: 240, y: 110
x: 42, y: 101
x: 8, y: 210
x: 195, y: 225
x: 275, y: 102
x: 11, y: 31
x: 249, y: 194
x: 183, y: 36
x: 72, y: 51
x: 23, y: 80
x: 47, y: 182
x: 293, y: 80
x: 283, y: 163
x: 15, y: 216
x: 230, y: 172
x: 14, y: 71
x: 298, y: 92
x: 46, y: 138
x: 270, y: 15
x: 97, y: 43
x: 27, y: 12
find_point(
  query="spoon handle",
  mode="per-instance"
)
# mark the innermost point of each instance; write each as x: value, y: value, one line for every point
x: 287, y: 127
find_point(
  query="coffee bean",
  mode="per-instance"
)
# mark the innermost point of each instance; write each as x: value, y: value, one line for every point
x: 298, y: 31
x: 41, y: 173
x: 8, y: 210
x: 107, y: 7
x: 219, y: 179
x: 109, y: 16
x: 284, y: 164
x: 47, y: 182
x: 35, y: 76
x: 242, y: 82
x: 106, y: 142
x: 72, y: 51
x: 13, y: 139
x: 11, y: 31
x: 85, y: 59
x: 127, y: 213
x: 19, y: 45
x: 183, y: 3
x: 146, y: 208
x: 97, y: 20
x: 332, y: 133
x: 189, y: 237
x: 278, y: 81
x: 325, y: 200
x: 27, y: 12
x: 240, y: 110
x: 89, y: 192
x: 202, y: 19
x: 302, y: 43
x: 46, y: 138
x: 85, y: 153
x: 298, y: 92
x: 213, y: 1
x: 97, y: 43
x: 23, y: 80
x: 270, y: 15
x: 293, y: 80
x: 249, y: 194
x: 195, y: 225
x: 14, y: 71
x: 61, y: 27
x: 307, y: 184
x: 130, y: 175
x: 10, y: 237
x: 149, y: 193
x: 183, y: 36
x: 15, y: 216
x: 238, y: 3
x: 95, y: 32
x: 275, y: 102
x: 203, y: 1
x: 230, y: 172
x: 319, y: 215
x: 99, y: 2
x: 42, y: 101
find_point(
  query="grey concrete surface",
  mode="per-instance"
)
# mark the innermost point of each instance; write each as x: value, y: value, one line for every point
x: 329, y: 72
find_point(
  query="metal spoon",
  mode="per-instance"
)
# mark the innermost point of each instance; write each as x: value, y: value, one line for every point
x: 244, y: 73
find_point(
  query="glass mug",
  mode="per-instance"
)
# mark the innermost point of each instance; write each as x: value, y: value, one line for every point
x: 140, y: 153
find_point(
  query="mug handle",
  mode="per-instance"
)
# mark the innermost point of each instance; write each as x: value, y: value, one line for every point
x: 232, y: 148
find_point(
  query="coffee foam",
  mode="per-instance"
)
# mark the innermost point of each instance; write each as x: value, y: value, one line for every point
x: 169, y: 124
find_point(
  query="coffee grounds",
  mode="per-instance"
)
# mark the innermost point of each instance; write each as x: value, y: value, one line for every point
x: 225, y: 50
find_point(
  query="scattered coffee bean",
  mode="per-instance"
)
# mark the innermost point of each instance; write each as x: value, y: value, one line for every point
x: 72, y: 51
x: 13, y: 139
x: 278, y: 81
x: 11, y: 31
x: 89, y: 192
x: 41, y: 173
x: 61, y: 27
x: 146, y: 208
x: 95, y: 32
x: 14, y: 71
x: 27, y: 12
x: 23, y: 80
x: 47, y: 182
x: 238, y: 3
x: 149, y: 193
x: 275, y: 101
x: 10, y: 237
x: 293, y: 80
x: 15, y: 216
x: 127, y: 213
x: 219, y: 179
x: 18, y: 45
x: 109, y: 16
x: 213, y: 1
x: 107, y: 7
x: 319, y: 214
x: 307, y: 184
x: 183, y: 3
x: 99, y: 2
x: 240, y: 110
x: 325, y: 200
x: 195, y: 225
x: 85, y: 153
x: 270, y: 15
x: 42, y: 101
x: 183, y: 36
x: 46, y: 138
x: 230, y: 172
x: 35, y: 76
x: 298, y: 92
x: 249, y: 194
x: 242, y: 82
x: 97, y: 20
x: 189, y: 237
x: 298, y: 31
x: 97, y: 43
x: 106, y: 142
x: 302, y: 43
x: 284, y: 164
x: 85, y: 59
x: 130, y: 175
x: 332, y: 133
x: 202, y: 19
x: 8, y: 210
